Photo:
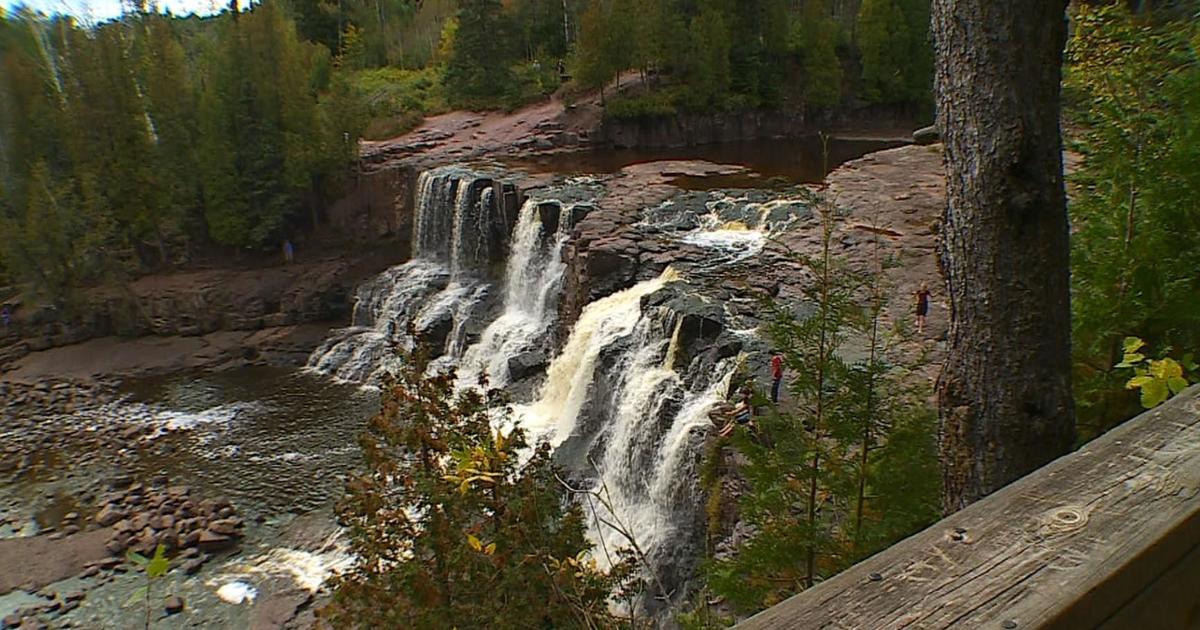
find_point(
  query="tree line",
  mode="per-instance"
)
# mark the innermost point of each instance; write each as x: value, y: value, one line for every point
x: 132, y: 144
x: 727, y: 55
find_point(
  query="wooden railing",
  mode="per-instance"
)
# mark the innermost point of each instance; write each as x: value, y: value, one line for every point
x: 1106, y: 537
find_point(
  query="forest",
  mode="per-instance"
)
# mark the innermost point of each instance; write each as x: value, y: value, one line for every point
x: 153, y: 143
x: 253, y: 118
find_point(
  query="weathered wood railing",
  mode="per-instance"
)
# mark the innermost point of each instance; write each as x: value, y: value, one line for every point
x: 1106, y: 537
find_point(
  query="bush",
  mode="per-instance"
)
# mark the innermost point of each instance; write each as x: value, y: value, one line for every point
x: 397, y: 100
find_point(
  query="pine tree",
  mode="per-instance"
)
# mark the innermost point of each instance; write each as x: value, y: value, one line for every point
x: 883, y: 40
x: 477, y: 72
x: 816, y: 41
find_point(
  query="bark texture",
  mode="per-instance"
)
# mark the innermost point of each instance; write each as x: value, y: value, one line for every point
x: 1004, y: 393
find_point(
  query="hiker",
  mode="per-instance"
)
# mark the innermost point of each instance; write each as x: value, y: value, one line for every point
x: 922, y: 307
x: 776, y: 376
x: 6, y: 315
x: 289, y: 252
x: 743, y: 412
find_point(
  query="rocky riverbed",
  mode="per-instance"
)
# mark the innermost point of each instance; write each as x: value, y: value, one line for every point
x: 233, y: 472
x: 215, y: 445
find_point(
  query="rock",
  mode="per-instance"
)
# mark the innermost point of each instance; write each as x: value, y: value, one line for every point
x: 927, y: 135
x: 117, y: 544
x: 173, y: 605
x: 278, y: 610
x: 75, y: 596
x: 192, y: 566
x: 109, y: 515
x: 12, y: 621
x: 208, y: 540
x: 226, y: 527
x: 526, y: 364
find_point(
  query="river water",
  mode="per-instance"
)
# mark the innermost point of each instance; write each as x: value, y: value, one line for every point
x: 279, y: 442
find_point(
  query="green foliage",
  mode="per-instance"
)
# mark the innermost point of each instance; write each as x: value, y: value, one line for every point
x: 849, y: 466
x: 124, y: 143
x: 457, y: 522
x: 155, y: 567
x: 478, y: 72
x: 713, y: 55
x: 1132, y: 89
x: 394, y: 100
x: 1156, y: 379
x: 896, y: 57
x: 815, y: 37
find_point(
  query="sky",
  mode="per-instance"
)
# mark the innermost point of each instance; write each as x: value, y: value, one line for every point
x: 99, y: 10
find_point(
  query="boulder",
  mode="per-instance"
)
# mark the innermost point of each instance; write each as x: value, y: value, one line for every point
x: 225, y: 527
x: 173, y: 604
x: 210, y: 541
x: 927, y: 135
x: 526, y: 364
x: 109, y: 515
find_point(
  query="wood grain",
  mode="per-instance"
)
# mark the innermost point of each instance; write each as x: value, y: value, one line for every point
x: 1097, y: 538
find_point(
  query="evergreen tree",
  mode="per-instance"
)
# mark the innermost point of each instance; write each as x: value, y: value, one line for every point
x: 883, y: 40
x: 478, y: 71
x: 816, y: 42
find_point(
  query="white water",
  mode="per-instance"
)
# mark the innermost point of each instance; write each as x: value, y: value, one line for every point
x: 643, y: 470
x: 451, y: 243
x: 619, y: 392
x: 553, y: 415
x: 532, y: 284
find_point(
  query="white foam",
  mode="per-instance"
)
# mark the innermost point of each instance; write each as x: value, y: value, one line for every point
x: 237, y: 592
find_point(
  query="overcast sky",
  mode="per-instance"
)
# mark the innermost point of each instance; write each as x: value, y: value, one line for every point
x: 99, y: 10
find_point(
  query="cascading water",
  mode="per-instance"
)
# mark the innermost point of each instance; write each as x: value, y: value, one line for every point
x: 626, y: 401
x: 437, y: 293
x: 635, y: 442
x: 532, y: 283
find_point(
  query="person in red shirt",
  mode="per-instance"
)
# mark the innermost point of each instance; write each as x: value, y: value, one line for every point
x: 776, y: 376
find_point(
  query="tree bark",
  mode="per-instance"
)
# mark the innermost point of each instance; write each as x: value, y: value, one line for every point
x: 1004, y: 394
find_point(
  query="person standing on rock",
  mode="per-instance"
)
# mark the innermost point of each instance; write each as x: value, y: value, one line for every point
x: 776, y: 376
x: 289, y: 252
x: 922, y: 307
x: 6, y: 315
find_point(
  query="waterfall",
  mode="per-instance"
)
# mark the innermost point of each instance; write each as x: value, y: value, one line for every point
x: 438, y: 293
x: 643, y: 433
x: 626, y: 401
x: 532, y: 283
x: 553, y: 415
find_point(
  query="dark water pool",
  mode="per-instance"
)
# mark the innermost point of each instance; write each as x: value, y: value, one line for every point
x: 770, y: 163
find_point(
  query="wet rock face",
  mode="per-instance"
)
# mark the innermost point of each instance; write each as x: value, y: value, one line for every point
x: 198, y: 303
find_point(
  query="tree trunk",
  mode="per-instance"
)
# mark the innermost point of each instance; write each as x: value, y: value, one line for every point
x: 1004, y: 394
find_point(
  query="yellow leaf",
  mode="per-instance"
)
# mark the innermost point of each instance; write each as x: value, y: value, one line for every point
x: 490, y: 549
x: 474, y: 542
x: 1138, y: 381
